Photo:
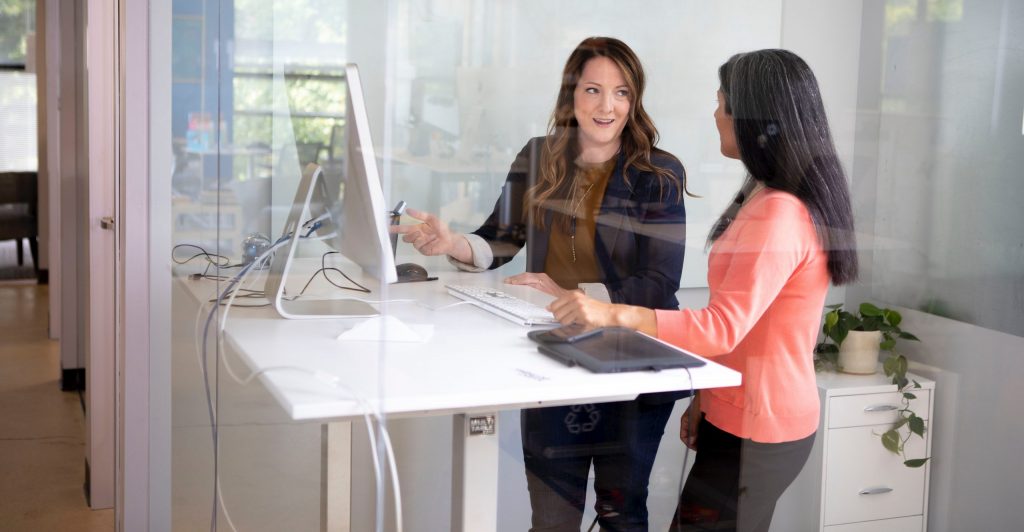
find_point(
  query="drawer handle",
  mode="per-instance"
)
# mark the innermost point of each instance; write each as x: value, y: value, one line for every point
x: 875, y: 491
x: 881, y: 408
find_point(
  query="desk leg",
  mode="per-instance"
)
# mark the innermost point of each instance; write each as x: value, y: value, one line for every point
x: 475, y: 473
x: 335, y: 477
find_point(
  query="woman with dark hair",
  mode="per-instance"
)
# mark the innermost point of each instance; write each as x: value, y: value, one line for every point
x: 599, y: 208
x: 774, y: 251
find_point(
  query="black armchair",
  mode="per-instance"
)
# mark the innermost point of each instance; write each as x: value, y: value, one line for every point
x: 19, y: 212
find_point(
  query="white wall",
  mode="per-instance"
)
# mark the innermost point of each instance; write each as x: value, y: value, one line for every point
x: 504, y: 73
x: 65, y: 117
x: 950, y: 150
x: 937, y: 190
x: 977, y: 474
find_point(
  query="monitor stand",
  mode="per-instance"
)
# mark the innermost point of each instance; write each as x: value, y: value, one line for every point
x: 282, y: 263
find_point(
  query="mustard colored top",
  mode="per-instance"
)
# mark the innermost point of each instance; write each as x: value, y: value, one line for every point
x: 768, y: 279
x: 585, y: 202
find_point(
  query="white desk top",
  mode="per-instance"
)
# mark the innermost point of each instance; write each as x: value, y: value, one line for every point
x: 474, y: 361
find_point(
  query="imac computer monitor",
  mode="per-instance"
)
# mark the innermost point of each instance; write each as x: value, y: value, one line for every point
x: 350, y: 207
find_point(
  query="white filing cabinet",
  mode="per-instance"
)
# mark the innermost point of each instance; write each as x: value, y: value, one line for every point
x: 851, y: 483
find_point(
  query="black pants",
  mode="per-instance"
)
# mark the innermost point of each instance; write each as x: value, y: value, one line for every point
x: 735, y: 482
x: 621, y: 440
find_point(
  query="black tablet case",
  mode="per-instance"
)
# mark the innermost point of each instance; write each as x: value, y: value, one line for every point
x: 617, y: 350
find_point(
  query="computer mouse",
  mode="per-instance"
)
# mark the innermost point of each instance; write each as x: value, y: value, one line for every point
x: 410, y: 272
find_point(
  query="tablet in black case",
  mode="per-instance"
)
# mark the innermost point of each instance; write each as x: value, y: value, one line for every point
x: 616, y: 350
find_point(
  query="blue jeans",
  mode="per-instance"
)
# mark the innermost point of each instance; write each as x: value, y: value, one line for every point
x: 621, y: 440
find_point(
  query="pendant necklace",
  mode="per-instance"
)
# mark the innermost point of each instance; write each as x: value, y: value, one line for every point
x: 575, y: 208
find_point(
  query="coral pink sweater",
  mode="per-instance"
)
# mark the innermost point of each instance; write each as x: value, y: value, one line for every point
x: 768, y: 279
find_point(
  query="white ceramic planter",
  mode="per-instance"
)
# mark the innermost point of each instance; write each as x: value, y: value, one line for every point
x: 859, y: 352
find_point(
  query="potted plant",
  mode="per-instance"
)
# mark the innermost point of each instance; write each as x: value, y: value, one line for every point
x: 852, y: 343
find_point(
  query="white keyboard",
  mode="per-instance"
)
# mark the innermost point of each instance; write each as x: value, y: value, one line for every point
x: 501, y: 304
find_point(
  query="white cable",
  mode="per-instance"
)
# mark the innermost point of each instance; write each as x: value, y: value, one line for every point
x: 195, y: 332
x: 448, y: 306
x: 258, y: 261
x: 392, y: 464
x: 227, y: 516
x: 686, y: 452
x: 371, y: 435
x: 372, y: 438
x: 335, y: 382
x: 224, y: 359
x: 322, y: 237
x: 385, y: 301
x: 394, y: 473
x: 330, y: 379
x: 237, y: 280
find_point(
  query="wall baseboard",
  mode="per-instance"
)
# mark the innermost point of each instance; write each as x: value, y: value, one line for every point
x: 85, y: 484
x: 72, y: 379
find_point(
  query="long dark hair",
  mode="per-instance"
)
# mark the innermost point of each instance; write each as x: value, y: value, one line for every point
x: 561, y: 146
x: 785, y: 143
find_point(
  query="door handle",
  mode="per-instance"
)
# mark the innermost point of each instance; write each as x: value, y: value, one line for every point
x: 881, y: 408
x: 874, y: 491
x: 107, y: 222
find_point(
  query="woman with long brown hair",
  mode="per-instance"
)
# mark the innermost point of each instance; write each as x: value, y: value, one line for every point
x: 599, y: 208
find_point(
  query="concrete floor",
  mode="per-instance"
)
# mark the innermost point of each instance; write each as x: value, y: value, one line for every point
x: 42, y: 448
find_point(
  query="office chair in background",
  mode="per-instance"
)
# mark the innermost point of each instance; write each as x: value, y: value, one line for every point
x: 19, y: 212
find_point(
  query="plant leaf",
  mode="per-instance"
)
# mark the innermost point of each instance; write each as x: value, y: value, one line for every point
x: 889, y: 366
x: 840, y: 332
x: 917, y: 384
x: 887, y: 345
x: 891, y: 441
x: 908, y: 395
x: 870, y: 323
x: 916, y: 462
x: 900, y: 422
x: 893, y: 317
x: 831, y: 319
x: 907, y: 336
x: 868, y: 309
x: 837, y: 306
x: 916, y: 425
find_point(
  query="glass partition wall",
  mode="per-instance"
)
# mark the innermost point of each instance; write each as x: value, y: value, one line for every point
x: 453, y: 91
x: 258, y: 91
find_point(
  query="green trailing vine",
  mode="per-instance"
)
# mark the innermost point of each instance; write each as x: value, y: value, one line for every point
x: 837, y: 325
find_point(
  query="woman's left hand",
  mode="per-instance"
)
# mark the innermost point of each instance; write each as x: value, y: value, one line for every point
x: 574, y: 307
x: 540, y: 281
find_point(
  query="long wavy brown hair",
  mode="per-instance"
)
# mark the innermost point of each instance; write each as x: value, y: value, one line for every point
x: 561, y: 146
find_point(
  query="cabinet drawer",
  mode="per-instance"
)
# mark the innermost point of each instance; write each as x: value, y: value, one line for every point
x: 902, y: 524
x: 865, y: 482
x: 873, y: 408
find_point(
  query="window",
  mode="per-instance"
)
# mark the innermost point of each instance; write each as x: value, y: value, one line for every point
x: 17, y: 86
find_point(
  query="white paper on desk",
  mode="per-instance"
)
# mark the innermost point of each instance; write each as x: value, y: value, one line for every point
x: 387, y: 329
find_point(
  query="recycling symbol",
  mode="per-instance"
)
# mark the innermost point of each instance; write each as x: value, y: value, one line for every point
x: 582, y: 418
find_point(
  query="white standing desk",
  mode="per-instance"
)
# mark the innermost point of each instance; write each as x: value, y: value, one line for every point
x: 474, y: 364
